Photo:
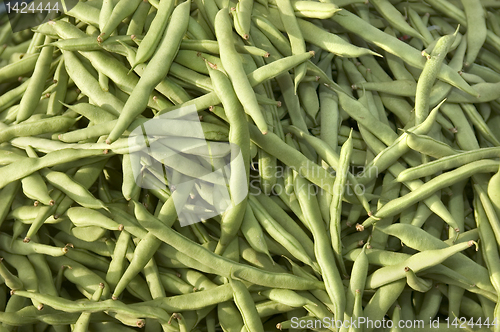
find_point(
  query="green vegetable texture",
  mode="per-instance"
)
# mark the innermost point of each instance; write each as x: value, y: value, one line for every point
x: 240, y: 165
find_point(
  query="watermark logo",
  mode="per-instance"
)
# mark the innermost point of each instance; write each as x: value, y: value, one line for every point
x: 170, y: 153
x: 26, y: 14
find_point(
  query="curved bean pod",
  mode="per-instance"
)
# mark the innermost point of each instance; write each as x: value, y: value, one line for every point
x: 430, y: 187
x: 163, y: 58
x: 394, y: 46
x: 223, y: 265
x: 34, y: 90
x: 235, y: 71
x: 153, y: 37
x: 417, y: 238
x: 121, y: 11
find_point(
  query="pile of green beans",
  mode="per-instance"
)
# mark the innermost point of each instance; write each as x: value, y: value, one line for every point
x: 369, y: 134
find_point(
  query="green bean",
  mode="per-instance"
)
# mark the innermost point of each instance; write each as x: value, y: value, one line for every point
x: 19, y: 68
x: 31, y: 315
x: 88, y: 233
x: 81, y: 77
x: 86, y: 217
x: 446, y: 163
x: 239, y: 136
x: 314, y: 10
x: 153, y: 37
x: 18, y: 247
x: 9, y: 193
x: 78, y: 274
x: 434, y: 202
x: 359, y: 112
x: 99, y: 248
x: 94, y: 113
x: 420, y: 240
x: 90, y: 306
x: 152, y: 76
x: 394, y: 17
x: 83, y: 321
x: 331, y: 158
x: 273, y: 34
x: 53, y: 158
x: 274, y: 248
x: 138, y: 20
x: 429, y: 146
x: 269, y: 308
x: 479, y: 123
x: 267, y: 171
x: 246, y: 306
x: 142, y: 254
x: 358, y: 311
x: 382, y: 300
x: 198, y: 253
x: 291, y: 157
x: 490, y: 254
x: 105, y: 13
x: 358, y: 280
x: 42, y: 216
x: 442, y: 89
x: 476, y: 36
x: 175, y: 285
x: 58, y: 95
x: 11, y: 281
x: 35, y: 188
x: 322, y: 247
x: 430, y: 304
x: 85, y: 176
x: 386, y: 258
x: 119, y: 12
x: 286, y: 222
x: 34, y: 90
x: 109, y: 66
x: 258, y: 76
x: 252, y: 232
x: 416, y: 283
x: 404, y: 88
x: 229, y: 317
x: 396, y: 64
x: 242, y: 18
x: 72, y: 189
x: 430, y: 187
x: 84, y: 257
x: 279, y: 234
x: 11, y: 97
x: 235, y: 71
x: 420, y: 24
x: 471, y: 78
x: 6, y: 32
x: 429, y: 75
x: 116, y: 266
x: 397, y: 149
x: 336, y: 203
x: 86, y: 13
x: 416, y: 263
x: 55, y: 124
x: 398, y: 48
x: 389, y: 192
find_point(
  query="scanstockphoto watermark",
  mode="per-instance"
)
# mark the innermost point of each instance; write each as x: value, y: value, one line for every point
x: 311, y: 188
x: 360, y: 322
x: 170, y: 153
x: 310, y: 170
x: 280, y: 170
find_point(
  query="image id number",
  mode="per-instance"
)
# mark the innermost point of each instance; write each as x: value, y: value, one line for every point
x: 31, y: 8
